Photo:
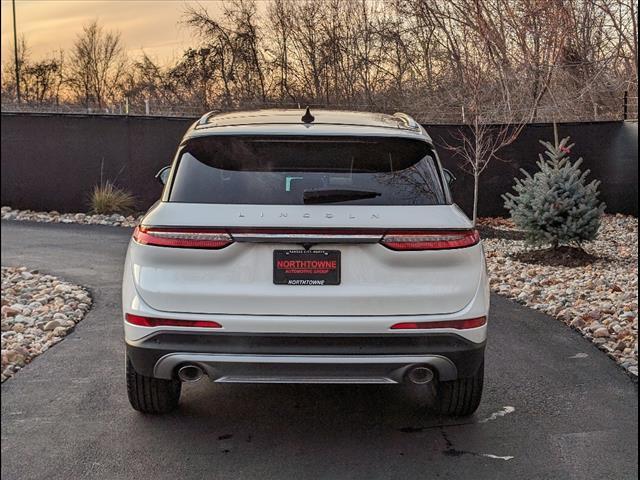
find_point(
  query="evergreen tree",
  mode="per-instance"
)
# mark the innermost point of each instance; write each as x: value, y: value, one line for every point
x: 556, y: 206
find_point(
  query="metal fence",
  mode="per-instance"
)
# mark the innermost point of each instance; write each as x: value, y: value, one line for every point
x: 619, y: 107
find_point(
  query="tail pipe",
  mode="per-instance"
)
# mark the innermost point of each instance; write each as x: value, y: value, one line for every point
x: 190, y: 373
x: 420, y: 375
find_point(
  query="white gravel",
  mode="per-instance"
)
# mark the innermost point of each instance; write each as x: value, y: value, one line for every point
x: 37, y: 312
x: 56, y: 217
x: 600, y: 300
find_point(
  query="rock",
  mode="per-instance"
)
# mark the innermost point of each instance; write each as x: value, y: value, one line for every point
x: 594, y: 326
x: 24, y: 319
x: 601, y: 332
x: 578, y: 322
x: 59, y: 331
x: 620, y: 346
x: 51, y: 325
x: 61, y: 288
x: 17, y: 356
x: 593, y: 316
x: 8, y: 311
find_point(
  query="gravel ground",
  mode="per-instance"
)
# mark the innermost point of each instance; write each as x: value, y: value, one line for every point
x: 56, y: 217
x: 37, y: 312
x: 600, y: 299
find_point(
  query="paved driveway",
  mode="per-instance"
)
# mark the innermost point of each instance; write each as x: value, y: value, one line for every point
x: 65, y: 416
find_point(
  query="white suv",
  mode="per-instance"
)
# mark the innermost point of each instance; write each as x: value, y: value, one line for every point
x: 315, y: 248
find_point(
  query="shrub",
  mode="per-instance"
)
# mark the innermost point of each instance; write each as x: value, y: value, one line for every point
x: 556, y: 206
x: 107, y: 199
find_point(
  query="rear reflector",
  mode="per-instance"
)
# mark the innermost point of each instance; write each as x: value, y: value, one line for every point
x: 165, y: 322
x: 182, y: 238
x: 430, y: 240
x: 457, y: 324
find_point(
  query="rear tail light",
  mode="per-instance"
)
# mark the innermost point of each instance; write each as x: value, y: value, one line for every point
x: 457, y: 324
x: 182, y: 238
x: 166, y: 322
x: 430, y: 240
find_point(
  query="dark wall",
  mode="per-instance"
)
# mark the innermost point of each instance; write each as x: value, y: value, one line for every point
x: 609, y: 150
x: 52, y: 162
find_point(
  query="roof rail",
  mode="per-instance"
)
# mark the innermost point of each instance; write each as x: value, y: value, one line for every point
x: 409, y: 122
x: 205, y: 118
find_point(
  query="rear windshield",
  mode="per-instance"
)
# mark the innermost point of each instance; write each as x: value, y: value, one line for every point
x: 298, y: 171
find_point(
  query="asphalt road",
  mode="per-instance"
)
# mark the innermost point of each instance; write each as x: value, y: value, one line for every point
x: 66, y: 416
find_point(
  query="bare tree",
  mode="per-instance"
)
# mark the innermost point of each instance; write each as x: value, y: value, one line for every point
x: 279, y: 17
x: 41, y: 81
x: 97, y: 65
x: 622, y: 21
x: 570, y: 59
x: 477, y: 144
x: 9, y: 87
x: 233, y: 50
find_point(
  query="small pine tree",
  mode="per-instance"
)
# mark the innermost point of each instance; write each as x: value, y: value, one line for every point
x: 556, y: 206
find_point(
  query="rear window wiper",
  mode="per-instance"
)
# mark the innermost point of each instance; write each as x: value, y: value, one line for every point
x: 336, y: 195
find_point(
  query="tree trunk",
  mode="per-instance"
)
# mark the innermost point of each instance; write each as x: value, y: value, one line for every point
x: 476, y: 181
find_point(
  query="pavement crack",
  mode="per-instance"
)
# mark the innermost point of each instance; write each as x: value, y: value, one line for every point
x: 451, y: 451
x: 431, y: 427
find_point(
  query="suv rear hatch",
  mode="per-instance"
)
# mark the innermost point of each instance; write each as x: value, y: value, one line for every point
x: 241, y: 215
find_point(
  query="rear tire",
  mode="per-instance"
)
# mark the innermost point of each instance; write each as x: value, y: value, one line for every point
x: 461, y: 397
x: 151, y: 395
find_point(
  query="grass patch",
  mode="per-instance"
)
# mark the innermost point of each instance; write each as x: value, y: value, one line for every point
x: 107, y: 199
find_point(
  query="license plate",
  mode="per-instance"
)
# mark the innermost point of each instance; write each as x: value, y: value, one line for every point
x: 306, y: 267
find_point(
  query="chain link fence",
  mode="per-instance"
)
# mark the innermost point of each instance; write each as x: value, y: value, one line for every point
x: 620, y: 107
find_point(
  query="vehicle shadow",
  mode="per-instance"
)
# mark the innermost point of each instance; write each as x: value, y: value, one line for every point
x: 315, y: 431
x: 292, y: 410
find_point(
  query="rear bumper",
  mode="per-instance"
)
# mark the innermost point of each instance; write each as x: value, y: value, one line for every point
x: 295, y: 358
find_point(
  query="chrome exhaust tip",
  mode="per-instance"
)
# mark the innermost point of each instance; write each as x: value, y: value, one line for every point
x: 420, y: 375
x: 190, y: 373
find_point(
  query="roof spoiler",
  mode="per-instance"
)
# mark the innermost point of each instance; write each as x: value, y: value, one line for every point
x: 407, y: 122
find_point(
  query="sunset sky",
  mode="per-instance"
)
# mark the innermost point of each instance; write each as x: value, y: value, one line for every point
x: 149, y: 25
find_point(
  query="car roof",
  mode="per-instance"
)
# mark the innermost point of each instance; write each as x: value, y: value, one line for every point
x: 289, y: 122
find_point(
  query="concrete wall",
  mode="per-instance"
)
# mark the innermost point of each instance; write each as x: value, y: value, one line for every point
x: 52, y: 162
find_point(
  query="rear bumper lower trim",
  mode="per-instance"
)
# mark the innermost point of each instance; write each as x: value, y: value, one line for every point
x: 304, y: 368
x: 295, y: 358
